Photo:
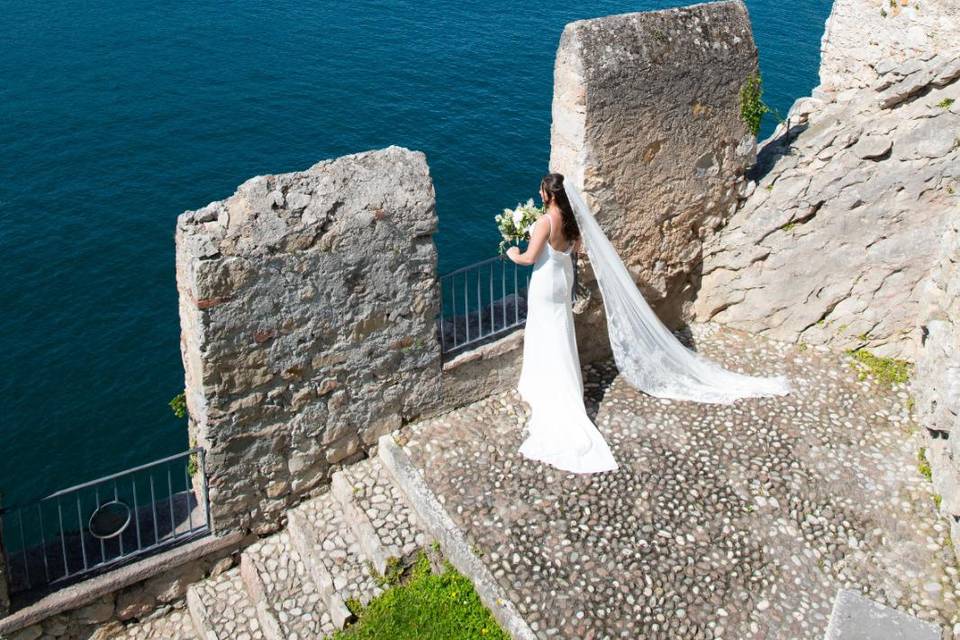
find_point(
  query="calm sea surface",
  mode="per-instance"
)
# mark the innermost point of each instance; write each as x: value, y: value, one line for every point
x: 117, y: 116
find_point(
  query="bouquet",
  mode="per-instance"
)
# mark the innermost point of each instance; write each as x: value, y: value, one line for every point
x: 514, y: 224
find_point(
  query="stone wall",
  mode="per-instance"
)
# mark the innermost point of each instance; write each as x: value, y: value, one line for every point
x: 834, y: 241
x: 646, y: 121
x: 936, y: 383
x: 104, y: 617
x: 307, y: 306
x: 482, y: 371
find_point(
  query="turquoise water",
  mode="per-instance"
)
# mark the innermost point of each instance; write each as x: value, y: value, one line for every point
x: 117, y: 116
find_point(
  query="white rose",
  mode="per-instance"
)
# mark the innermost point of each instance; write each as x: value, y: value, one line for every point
x: 517, y: 218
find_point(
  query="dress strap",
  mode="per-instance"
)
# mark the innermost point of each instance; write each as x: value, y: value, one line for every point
x: 550, y: 220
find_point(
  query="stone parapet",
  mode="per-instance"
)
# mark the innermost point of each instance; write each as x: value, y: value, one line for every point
x: 307, y: 305
x: 646, y: 122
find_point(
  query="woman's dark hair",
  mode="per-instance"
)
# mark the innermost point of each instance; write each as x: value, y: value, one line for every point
x: 552, y: 184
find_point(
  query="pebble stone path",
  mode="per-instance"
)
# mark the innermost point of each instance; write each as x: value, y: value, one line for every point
x: 724, y: 521
x: 171, y: 624
x: 294, y: 584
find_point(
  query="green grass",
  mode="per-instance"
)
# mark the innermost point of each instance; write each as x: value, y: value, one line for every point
x: 425, y: 606
x: 946, y: 103
x: 886, y: 370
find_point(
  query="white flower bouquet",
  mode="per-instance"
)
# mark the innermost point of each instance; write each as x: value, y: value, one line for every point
x: 514, y: 224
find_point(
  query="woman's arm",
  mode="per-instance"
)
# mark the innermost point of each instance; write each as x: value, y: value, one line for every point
x: 538, y: 238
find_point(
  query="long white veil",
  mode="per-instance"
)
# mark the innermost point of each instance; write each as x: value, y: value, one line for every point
x: 647, y: 354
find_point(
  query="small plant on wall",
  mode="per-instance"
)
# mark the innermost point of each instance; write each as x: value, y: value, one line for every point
x: 178, y: 404
x: 752, y: 106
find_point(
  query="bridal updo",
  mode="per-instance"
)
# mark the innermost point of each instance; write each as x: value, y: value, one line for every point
x: 552, y: 184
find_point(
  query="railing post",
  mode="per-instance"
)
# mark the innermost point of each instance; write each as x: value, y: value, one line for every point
x: 4, y: 579
x: 206, y: 489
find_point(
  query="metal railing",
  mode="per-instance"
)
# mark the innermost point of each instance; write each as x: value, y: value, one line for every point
x: 89, y: 527
x: 483, y: 300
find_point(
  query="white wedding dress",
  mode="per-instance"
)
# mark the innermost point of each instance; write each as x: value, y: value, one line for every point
x: 559, y: 431
x: 648, y: 355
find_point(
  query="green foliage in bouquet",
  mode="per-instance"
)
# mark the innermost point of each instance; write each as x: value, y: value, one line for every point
x: 514, y: 224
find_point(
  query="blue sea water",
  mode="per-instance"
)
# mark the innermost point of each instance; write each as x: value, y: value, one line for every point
x: 117, y: 116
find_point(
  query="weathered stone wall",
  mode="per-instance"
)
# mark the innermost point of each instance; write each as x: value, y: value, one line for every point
x: 104, y: 617
x: 646, y: 122
x: 936, y: 382
x: 307, y: 305
x: 833, y: 243
x: 482, y: 371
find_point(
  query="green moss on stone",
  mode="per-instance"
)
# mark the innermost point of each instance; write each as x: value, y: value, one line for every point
x: 886, y: 370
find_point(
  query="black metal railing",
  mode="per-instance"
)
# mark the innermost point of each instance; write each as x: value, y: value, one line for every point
x: 89, y: 527
x: 483, y: 300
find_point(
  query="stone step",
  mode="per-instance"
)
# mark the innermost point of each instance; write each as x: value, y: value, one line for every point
x: 445, y: 531
x: 221, y: 609
x: 331, y: 555
x: 378, y: 513
x: 175, y: 624
x: 274, y: 574
x: 856, y: 617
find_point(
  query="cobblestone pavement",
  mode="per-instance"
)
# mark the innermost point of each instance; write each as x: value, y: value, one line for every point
x: 229, y: 610
x: 293, y: 597
x: 337, y: 549
x: 724, y: 521
x: 384, y: 504
x: 294, y: 584
x: 172, y: 623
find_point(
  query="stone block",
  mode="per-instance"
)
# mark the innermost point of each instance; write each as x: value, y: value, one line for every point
x: 292, y: 293
x: 646, y: 122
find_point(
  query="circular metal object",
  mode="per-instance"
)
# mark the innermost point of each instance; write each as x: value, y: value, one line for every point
x: 109, y: 520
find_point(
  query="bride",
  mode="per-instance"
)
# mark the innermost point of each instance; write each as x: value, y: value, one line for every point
x: 560, y: 432
x: 648, y: 355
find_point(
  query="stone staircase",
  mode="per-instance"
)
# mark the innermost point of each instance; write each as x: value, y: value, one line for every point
x: 296, y: 584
